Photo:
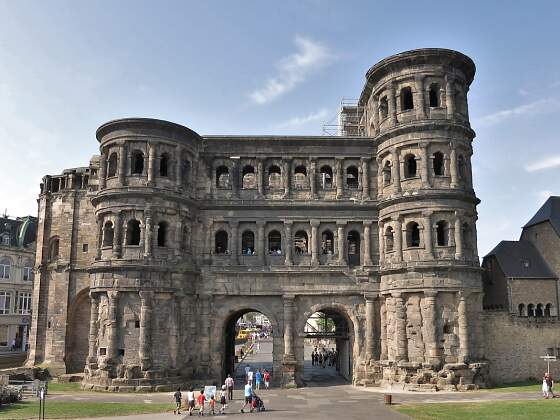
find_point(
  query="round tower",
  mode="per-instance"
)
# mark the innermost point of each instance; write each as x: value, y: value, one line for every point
x: 143, y: 274
x: 430, y: 281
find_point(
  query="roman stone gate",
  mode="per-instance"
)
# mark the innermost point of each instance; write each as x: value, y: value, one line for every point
x: 374, y: 228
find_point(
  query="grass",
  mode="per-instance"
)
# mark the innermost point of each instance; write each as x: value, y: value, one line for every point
x: 65, y: 410
x: 525, y: 386
x: 491, y: 410
x: 64, y: 387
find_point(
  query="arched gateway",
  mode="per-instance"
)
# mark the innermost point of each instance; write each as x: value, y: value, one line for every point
x: 174, y: 241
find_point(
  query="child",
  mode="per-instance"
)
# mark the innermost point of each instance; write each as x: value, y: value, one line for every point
x: 190, y: 401
x: 258, y: 379
x: 223, y: 402
x: 178, y: 397
x: 201, y: 400
x: 212, y: 404
x: 266, y: 377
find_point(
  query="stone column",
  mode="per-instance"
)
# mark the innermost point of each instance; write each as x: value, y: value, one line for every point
x: 367, y: 243
x: 398, y: 239
x: 449, y: 97
x: 392, y: 105
x: 458, y: 237
x: 365, y: 178
x: 288, y: 242
x: 428, y: 240
x: 148, y: 235
x: 453, y: 166
x: 118, y: 236
x: 462, y: 312
x: 379, y: 178
x: 178, y: 167
x: 313, y: 177
x: 381, y: 236
x: 122, y: 163
x: 209, y: 236
x: 375, y: 114
x: 261, y: 249
x: 235, y: 177
x: 383, y: 319
x: 260, y: 177
x: 289, y: 308
x: 93, y: 329
x: 145, y: 340
x: 103, y: 171
x: 340, y: 248
x: 339, y: 177
x: 99, y: 222
x: 396, y: 170
x: 419, y: 102
x: 314, y: 240
x: 234, y: 241
x: 429, y: 315
x: 425, y: 167
x: 370, y: 325
x: 286, y: 172
x: 400, y: 328
x: 151, y: 163
x: 113, y: 333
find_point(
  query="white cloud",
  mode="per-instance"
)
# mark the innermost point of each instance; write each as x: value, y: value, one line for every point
x: 545, y: 163
x: 523, y: 92
x: 294, y: 69
x: 541, y: 106
x: 299, y: 121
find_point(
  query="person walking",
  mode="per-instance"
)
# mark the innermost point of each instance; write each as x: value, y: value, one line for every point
x: 550, y: 384
x: 248, y: 397
x: 223, y: 402
x: 258, y: 379
x: 177, y: 397
x: 545, y: 389
x: 247, y: 370
x: 190, y: 401
x: 201, y: 399
x: 212, y: 404
x: 250, y: 377
x: 266, y: 377
x: 229, y: 383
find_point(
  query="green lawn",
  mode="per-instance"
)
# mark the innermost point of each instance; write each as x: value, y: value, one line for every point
x: 64, y: 387
x: 492, y: 410
x: 62, y: 409
x: 518, y: 387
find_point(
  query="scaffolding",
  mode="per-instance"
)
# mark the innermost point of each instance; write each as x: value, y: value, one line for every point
x: 348, y: 121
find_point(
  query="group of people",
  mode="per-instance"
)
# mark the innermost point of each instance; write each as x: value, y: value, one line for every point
x: 324, y: 357
x: 547, y: 385
x: 192, y: 401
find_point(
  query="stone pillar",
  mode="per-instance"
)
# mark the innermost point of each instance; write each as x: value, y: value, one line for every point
x: 392, y: 105
x: 458, y: 237
x: 400, y: 328
x: 103, y: 171
x: 148, y: 235
x: 288, y: 242
x: 449, y: 97
x: 313, y: 177
x: 178, y: 167
x: 370, y: 325
x: 419, y: 102
x: 398, y: 239
x: 339, y: 177
x: 145, y: 340
x: 209, y: 236
x: 453, y: 166
x: 151, y: 164
x: 314, y: 242
x: 429, y: 315
x: 383, y: 319
x: 234, y: 241
x: 235, y: 177
x: 122, y: 163
x: 396, y: 170
x: 379, y: 178
x: 289, y: 308
x: 365, y: 178
x: 381, y: 236
x: 260, y: 177
x: 462, y: 312
x: 340, y: 243
x: 375, y: 114
x: 425, y: 167
x: 261, y: 248
x: 118, y: 236
x: 99, y: 222
x: 428, y: 229
x: 113, y: 333
x: 286, y: 171
x: 367, y: 243
x: 93, y: 329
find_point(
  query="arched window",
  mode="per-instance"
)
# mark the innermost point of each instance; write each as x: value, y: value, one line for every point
x: 300, y: 242
x: 467, y: 236
x: 410, y: 166
x: 539, y: 312
x: 274, y: 243
x: 249, y: 178
x: 461, y: 167
x: 406, y: 99
x: 108, y: 233
x: 137, y: 162
x: 434, y: 95
x: 248, y: 243
x: 162, y: 234
x: 5, y: 264
x: 133, y: 232
x: 548, y: 310
x: 53, y: 249
x: 300, y: 177
x: 353, y: 240
x: 412, y: 235
x: 521, y: 309
x: 439, y: 167
x: 327, y: 242
x: 389, y: 239
x: 442, y: 233
x: 222, y: 177
x: 383, y: 107
x: 112, y: 165
x: 326, y: 177
x: 387, y: 173
x: 164, y: 165
x: 352, y: 177
x: 28, y: 274
x: 221, y: 242
x: 274, y: 177
x: 531, y: 310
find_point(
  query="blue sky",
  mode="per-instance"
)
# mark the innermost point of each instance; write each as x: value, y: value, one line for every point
x: 258, y: 67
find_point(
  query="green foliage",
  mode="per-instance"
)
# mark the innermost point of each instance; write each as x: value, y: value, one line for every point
x: 525, y: 386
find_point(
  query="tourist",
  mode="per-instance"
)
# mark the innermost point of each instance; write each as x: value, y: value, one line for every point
x: 313, y: 357
x: 258, y: 379
x: 549, y: 383
x: 13, y: 348
x: 201, y: 400
x: 178, y: 397
x: 248, y: 397
x: 229, y: 383
x: 223, y: 403
x: 266, y: 377
x: 545, y: 388
x: 212, y: 404
x: 247, y: 370
x: 190, y: 401
x: 250, y: 377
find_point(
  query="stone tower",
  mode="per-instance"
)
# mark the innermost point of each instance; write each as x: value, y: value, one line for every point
x: 415, y: 106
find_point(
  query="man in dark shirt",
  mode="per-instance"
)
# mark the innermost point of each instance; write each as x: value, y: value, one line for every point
x: 177, y: 396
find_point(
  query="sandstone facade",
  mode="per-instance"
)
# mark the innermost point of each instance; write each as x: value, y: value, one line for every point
x: 168, y: 237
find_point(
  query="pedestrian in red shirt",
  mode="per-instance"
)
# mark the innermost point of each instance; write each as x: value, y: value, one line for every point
x: 201, y: 399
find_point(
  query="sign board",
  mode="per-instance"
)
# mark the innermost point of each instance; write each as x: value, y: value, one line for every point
x: 209, y: 391
x: 42, y: 393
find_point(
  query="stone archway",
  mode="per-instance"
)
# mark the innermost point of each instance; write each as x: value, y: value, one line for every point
x: 77, y: 344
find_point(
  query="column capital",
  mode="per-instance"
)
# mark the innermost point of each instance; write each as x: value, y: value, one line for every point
x: 289, y: 298
x: 427, y: 213
x: 261, y: 223
x: 341, y: 223
x: 367, y: 223
x: 94, y: 295
x: 288, y: 223
x: 423, y: 144
x: 379, y: 160
x: 371, y: 296
x: 365, y: 159
x: 314, y: 223
x: 463, y: 295
x: 396, y: 295
x: 233, y: 223
x: 113, y: 294
x: 146, y: 296
x: 430, y: 293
